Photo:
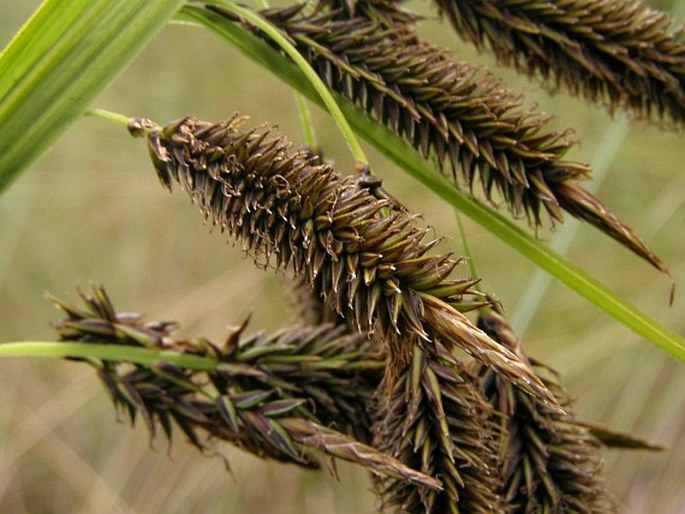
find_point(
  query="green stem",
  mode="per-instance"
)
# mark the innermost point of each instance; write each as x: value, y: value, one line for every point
x: 144, y: 356
x: 109, y: 116
x: 306, y: 69
x: 465, y: 244
x: 470, y: 261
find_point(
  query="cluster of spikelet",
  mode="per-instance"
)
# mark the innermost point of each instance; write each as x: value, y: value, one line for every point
x: 442, y: 438
x: 372, y: 378
x: 373, y: 374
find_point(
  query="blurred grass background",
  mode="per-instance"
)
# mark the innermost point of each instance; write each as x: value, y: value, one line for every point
x: 92, y: 209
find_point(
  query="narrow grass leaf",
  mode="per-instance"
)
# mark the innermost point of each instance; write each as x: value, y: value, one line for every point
x: 66, y: 54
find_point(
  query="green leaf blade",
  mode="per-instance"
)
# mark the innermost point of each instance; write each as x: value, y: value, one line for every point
x: 65, y: 55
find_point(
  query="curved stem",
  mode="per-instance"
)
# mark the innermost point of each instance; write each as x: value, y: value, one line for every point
x: 465, y: 244
x: 470, y: 260
x: 144, y: 356
x: 306, y: 121
x: 316, y: 82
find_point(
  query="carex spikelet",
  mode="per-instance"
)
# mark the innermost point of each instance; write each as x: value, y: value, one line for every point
x: 362, y: 253
x: 548, y: 462
x: 290, y: 396
x: 456, y: 113
x: 435, y: 420
x: 617, y: 52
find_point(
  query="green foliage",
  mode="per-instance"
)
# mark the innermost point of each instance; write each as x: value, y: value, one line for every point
x: 55, y: 67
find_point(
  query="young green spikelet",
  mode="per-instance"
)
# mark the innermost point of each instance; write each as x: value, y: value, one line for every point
x: 621, y: 53
x: 280, y: 396
x: 435, y: 420
x: 363, y: 254
x: 456, y: 113
x: 548, y: 462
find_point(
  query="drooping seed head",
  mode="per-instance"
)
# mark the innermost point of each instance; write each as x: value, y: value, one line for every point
x: 620, y: 53
x: 435, y: 420
x: 286, y: 396
x: 363, y: 254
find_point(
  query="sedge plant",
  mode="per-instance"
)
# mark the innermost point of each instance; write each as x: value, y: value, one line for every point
x: 400, y: 358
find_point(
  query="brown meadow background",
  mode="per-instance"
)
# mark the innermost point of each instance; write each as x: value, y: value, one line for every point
x: 92, y: 209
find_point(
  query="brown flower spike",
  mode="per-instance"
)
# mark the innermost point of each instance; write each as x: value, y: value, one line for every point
x: 435, y: 420
x: 365, y: 258
x: 548, y: 461
x: 283, y: 396
x: 617, y: 52
x: 456, y: 113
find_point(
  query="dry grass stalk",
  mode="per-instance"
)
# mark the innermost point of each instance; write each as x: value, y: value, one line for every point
x: 364, y: 254
x: 617, y: 52
x: 277, y: 396
x: 455, y: 112
x: 548, y: 462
